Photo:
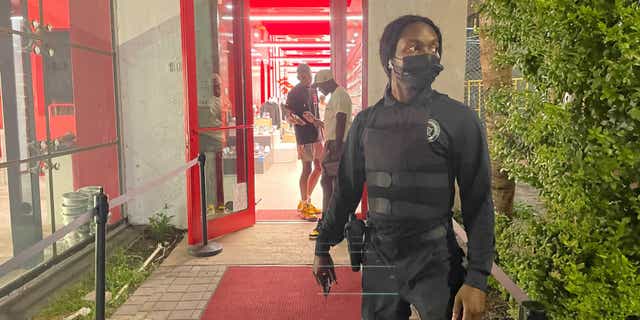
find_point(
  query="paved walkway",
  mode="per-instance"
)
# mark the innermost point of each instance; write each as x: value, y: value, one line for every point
x: 173, y: 292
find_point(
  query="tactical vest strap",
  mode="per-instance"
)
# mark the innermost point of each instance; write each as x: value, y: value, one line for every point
x: 408, y: 179
x: 385, y: 206
x: 379, y: 205
x: 379, y: 179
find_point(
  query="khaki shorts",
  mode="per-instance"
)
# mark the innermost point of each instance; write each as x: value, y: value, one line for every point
x: 310, y: 152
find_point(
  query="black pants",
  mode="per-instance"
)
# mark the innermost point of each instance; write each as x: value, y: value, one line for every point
x: 428, y: 278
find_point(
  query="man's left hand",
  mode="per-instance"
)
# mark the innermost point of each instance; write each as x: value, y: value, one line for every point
x: 473, y: 300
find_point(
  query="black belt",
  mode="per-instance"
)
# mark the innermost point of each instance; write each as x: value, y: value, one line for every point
x: 387, y: 243
x: 408, y: 228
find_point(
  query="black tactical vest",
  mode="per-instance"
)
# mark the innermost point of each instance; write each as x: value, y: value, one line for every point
x: 409, y: 177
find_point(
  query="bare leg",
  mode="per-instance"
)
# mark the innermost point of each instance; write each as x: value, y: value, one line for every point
x: 314, y: 177
x: 304, y: 179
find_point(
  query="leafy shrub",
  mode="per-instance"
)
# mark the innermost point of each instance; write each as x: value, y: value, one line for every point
x: 575, y: 135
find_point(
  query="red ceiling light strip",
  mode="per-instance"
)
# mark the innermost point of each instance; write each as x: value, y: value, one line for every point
x: 291, y: 3
x: 290, y: 45
x: 294, y: 18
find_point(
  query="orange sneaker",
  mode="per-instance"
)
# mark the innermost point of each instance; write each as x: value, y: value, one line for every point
x: 311, y: 208
x: 305, y: 215
x: 309, y: 212
x: 301, y: 205
x: 314, y: 234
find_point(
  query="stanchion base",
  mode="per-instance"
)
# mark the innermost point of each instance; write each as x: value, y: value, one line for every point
x: 211, y: 249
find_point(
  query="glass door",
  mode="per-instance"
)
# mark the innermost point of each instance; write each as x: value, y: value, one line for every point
x: 218, y: 115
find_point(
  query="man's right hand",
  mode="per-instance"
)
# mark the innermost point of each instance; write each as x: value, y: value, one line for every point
x: 324, y: 272
x: 309, y: 117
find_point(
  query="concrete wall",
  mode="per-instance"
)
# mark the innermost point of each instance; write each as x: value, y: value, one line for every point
x: 149, y: 58
x: 139, y: 16
x: 450, y: 16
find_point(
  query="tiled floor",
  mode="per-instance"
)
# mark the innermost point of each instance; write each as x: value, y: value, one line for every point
x: 284, y: 175
x: 278, y: 188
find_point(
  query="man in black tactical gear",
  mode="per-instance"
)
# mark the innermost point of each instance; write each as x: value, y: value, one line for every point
x: 409, y: 149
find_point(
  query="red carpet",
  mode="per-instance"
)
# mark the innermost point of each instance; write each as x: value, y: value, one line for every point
x: 283, y: 293
x: 277, y: 215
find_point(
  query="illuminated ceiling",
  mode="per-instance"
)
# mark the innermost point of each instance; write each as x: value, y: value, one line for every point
x: 294, y: 31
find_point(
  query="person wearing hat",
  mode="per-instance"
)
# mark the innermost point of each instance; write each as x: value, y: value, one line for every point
x: 410, y: 149
x: 337, y: 120
x: 300, y: 100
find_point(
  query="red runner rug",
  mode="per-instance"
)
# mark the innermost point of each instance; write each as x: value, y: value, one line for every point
x: 283, y: 293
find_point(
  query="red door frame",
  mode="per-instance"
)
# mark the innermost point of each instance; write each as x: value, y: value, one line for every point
x: 244, y: 122
x: 364, y: 204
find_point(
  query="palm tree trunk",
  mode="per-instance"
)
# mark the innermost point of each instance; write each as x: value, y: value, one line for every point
x: 503, y: 188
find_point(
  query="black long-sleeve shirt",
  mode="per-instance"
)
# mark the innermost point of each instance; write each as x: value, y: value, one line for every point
x: 469, y: 158
x: 300, y: 100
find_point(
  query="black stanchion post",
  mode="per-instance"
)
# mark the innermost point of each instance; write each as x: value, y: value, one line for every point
x: 203, y: 198
x: 532, y: 310
x: 101, y: 203
x: 207, y: 249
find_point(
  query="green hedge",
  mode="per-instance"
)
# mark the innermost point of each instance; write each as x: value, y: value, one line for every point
x: 582, y: 257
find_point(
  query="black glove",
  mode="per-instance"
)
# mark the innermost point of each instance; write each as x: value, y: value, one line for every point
x: 324, y: 272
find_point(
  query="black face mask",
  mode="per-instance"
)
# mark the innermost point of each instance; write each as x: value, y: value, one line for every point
x: 418, y: 72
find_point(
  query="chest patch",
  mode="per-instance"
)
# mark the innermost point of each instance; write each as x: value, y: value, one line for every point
x: 433, y: 130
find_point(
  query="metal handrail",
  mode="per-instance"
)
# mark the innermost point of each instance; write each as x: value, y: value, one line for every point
x: 528, y: 309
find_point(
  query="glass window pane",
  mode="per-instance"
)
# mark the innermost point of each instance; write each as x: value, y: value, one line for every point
x: 88, y: 23
x: 217, y: 65
x: 24, y: 124
x: 78, y: 98
x: 83, y: 171
x: 225, y: 171
x: 55, y: 101
x: 25, y: 214
x: 35, y: 203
